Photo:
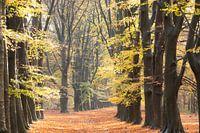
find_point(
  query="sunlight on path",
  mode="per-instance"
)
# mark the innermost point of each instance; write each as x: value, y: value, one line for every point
x: 96, y: 121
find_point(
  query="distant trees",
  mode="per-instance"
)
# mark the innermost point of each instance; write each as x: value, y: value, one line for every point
x: 85, y: 64
x: 69, y: 15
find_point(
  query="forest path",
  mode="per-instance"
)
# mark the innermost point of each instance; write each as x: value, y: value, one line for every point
x: 97, y: 121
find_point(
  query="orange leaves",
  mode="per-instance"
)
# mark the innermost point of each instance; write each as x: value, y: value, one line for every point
x: 98, y: 121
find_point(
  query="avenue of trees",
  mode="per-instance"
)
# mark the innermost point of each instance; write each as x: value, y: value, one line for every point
x: 88, y: 53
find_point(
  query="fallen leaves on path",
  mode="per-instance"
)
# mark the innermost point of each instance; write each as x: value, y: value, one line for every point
x: 97, y: 121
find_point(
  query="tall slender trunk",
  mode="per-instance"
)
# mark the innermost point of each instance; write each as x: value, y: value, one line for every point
x: 120, y: 30
x: 2, y: 72
x: 158, y: 69
x: 14, y: 24
x: 40, y: 65
x: 6, y: 87
x: 2, y: 102
x: 63, y: 90
x: 12, y: 76
x: 148, y: 60
x: 23, y: 75
x: 35, y: 26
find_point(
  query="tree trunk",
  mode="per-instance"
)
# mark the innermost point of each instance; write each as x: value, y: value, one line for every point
x: 136, y: 111
x: 22, y: 125
x: 36, y: 25
x: 12, y: 76
x: 6, y: 87
x: 2, y: 102
x: 135, y: 108
x: 193, y: 42
x: 2, y: 72
x: 23, y: 75
x: 171, y: 117
x: 172, y: 121
x: 158, y: 69
x: 32, y: 109
x: 77, y: 100
x: 40, y: 65
x: 14, y: 23
x: 63, y: 91
x: 30, y: 119
x: 148, y: 61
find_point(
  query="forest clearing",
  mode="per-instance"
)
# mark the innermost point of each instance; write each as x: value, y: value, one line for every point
x: 98, y: 121
x: 99, y: 66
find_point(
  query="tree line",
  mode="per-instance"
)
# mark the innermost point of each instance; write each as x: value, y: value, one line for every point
x: 129, y: 50
x: 144, y: 38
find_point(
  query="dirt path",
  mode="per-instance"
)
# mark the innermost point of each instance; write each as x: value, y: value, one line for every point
x: 97, y: 121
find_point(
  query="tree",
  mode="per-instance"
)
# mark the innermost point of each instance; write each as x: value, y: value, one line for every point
x: 193, y: 43
x: 15, y: 23
x: 67, y: 21
x: 171, y: 117
x: 145, y: 27
x: 2, y: 65
x: 134, y: 110
x: 158, y: 68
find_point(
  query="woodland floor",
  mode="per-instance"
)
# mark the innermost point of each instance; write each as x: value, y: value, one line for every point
x: 98, y: 121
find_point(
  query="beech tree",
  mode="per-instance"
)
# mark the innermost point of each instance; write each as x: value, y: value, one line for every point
x: 2, y: 65
x: 193, y: 43
x: 67, y: 21
x: 145, y: 27
x: 172, y: 28
x: 159, y: 47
